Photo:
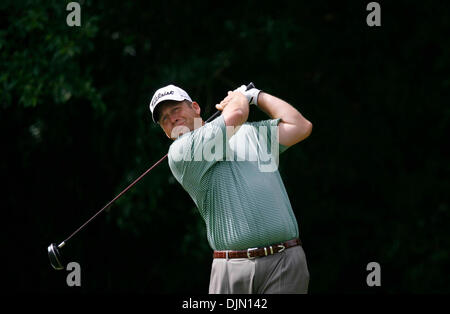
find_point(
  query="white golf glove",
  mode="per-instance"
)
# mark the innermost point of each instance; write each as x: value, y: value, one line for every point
x: 251, y: 94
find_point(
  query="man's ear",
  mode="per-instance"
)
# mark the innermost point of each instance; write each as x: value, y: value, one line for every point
x: 196, y: 107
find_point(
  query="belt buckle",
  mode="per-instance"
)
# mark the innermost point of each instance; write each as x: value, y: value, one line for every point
x: 248, y: 252
x: 282, y: 247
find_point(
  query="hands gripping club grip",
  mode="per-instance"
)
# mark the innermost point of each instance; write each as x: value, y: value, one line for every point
x: 249, y: 86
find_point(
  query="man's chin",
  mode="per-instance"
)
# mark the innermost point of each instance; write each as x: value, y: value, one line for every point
x: 179, y: 130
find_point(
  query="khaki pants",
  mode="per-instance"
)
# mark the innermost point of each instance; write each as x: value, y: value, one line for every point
x: 284, y: 272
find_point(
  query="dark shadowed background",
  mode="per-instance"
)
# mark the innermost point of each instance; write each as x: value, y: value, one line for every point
x: 371, y: 183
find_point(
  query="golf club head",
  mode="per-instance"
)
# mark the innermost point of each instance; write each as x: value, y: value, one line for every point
x: 55, y: 257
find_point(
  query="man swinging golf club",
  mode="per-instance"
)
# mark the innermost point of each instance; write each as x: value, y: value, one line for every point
x: 249, y: 219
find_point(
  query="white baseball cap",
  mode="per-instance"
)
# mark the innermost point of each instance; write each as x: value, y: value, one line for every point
x: 169, y: 92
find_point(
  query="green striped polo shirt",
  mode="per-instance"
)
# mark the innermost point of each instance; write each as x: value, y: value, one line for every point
x: 235, y: 183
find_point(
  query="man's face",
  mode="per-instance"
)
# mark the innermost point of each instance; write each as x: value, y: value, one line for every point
x: 177, y: 118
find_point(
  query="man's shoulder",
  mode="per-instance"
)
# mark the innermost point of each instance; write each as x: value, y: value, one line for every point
x: 180, y: 143
x: 205, y: 130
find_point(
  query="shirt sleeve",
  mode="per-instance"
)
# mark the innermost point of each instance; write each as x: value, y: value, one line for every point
x: 267, y: 130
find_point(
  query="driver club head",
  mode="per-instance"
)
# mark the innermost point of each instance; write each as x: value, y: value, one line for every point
x: 55, y: 257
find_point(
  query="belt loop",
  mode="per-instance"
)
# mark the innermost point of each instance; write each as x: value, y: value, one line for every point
x: 271, y: 250
x: 226, y: 255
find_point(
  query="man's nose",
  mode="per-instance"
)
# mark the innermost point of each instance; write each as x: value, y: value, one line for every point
x: 174, y: 118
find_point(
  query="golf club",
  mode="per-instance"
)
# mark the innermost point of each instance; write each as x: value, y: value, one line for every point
x: 53, y: 250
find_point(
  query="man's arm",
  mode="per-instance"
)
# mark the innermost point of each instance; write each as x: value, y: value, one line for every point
x: 235, y: 109
x: 293, y: 127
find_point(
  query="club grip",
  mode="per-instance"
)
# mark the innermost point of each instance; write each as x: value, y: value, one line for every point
x: 249, y: 86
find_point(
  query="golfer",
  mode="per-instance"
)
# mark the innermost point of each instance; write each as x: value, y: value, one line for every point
x: 229, y: 168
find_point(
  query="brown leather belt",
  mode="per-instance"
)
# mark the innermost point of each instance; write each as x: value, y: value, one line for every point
x: 257, y: 252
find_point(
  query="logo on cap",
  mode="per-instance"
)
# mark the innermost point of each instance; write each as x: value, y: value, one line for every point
x: 155, y: 99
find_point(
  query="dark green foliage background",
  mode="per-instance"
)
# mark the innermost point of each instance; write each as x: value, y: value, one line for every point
x: 370, y: 184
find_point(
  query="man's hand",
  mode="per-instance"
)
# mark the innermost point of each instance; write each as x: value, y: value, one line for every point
x: 236, y: 97
x: 234, y: 109
x: 251, y: 94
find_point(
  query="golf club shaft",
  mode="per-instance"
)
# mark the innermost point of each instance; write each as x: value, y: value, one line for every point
x: 249, y: 86
x: 114, y: 199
